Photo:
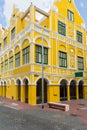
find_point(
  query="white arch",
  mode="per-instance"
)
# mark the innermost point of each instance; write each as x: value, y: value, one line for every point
x: 7, y: 54
x: 5, y: 81
x: 12, y: 50
x: 37, y: 37
x: 27, y: 79
x: 26, y: 38
x: 48, y: 82
x: 2, y: 82
x: 18, y: 45
x: 79, y: 81
x: 72, y: 80
x: 18, y: 79
x: 62, y: 79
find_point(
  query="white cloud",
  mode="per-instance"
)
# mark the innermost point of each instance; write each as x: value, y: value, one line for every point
x: 23, y: 5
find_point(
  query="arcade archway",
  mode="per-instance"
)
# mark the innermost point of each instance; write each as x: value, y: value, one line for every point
x: 39, y: 91
x: 73, y: 89
x: 18, y: 82
x: 25, y: 82
x: 80, y: 88
x: 63, y: 90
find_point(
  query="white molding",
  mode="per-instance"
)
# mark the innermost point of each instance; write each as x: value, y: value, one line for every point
x: 40, y: 77
x: 28, y: 28
x: 62, y: 79
x: 25, y: 38
x: 37, y: 37
x: 18, y: 45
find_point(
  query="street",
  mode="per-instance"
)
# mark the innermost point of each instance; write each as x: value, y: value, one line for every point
x: 35, y: 119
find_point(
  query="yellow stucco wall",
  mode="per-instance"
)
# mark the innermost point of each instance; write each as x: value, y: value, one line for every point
x: 29, y: 33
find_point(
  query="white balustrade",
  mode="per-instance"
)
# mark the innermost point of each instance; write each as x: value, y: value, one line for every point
x: 46, y: 32
x: 38, y: 28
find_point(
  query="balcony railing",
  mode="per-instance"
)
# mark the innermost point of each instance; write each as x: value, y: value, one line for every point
x: 38, y: 28
x: 47, y: 32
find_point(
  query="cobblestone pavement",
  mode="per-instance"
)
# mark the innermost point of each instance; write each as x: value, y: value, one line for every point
x: 15, y: 115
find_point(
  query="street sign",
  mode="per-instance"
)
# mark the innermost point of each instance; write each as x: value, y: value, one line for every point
x: 78, y: 74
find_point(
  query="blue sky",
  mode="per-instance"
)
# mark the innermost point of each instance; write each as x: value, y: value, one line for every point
x: 2, y: 16
x: 7, y: 5
x: 82, y: 7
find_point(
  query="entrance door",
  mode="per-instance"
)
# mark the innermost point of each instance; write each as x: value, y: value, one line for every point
x: 39, y: 91
x: 81, y: 83
x: 26, y: 89
x: 73, y: 89
x: 19, y: 89
x: 63, y: 90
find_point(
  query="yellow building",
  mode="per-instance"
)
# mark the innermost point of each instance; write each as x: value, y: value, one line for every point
x: 62, y: 35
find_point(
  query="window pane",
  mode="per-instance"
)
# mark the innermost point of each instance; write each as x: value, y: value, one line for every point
x: 0, y: 46
x: 2, y: 66
x: 17, y: 59
x: 62, y: 59
x: 79, y: 36
x: 13, y: 33
x: 5, y: 41
x: 11, y: 62
x: 39, y: 54
x: 80, y: 63
x: 70, y: 15
x: 26, y: 55
x: 40, y: 58
x: 61, y: 28
x: 6, y: 65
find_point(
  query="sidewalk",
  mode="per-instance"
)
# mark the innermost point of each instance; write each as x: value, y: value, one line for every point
x: 14, y: 104
x: 20, y: 105
x: 78, y: 108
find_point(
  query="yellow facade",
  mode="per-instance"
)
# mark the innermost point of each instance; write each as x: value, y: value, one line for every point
x: 62, y: 33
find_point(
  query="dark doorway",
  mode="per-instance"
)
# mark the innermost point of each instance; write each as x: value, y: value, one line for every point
x: 39, y: 91
x: 19, y: 89
x: 73, y: 89
x: 26, y: 89
x: 81, y: 83
x: 63, y: 90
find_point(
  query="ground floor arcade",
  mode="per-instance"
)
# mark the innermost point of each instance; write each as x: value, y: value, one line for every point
x: 32, y: 94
